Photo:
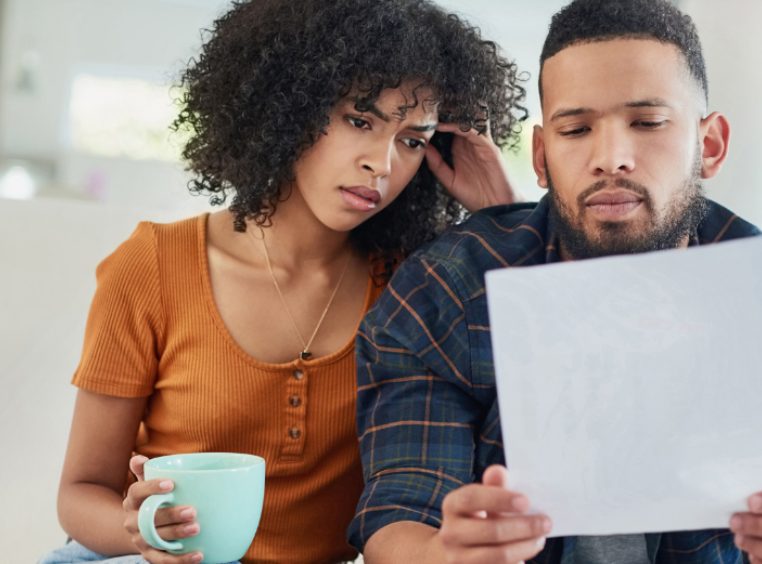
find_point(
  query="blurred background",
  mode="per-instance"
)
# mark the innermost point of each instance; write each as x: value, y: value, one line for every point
x: 86, y: 97
x: 86, y: 100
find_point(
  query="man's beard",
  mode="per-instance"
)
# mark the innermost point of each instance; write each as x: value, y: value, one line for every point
x: 682, y: 216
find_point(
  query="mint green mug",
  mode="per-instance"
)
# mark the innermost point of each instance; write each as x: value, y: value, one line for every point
x: 226, y: 489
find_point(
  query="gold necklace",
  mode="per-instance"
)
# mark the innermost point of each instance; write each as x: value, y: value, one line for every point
x: 305, y: 353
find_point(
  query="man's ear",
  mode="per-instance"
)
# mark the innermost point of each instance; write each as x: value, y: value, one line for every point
x: 714, y: 136
x: 538, y: 156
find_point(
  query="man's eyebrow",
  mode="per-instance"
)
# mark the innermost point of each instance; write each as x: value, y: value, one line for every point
x: 648, y: 103
x: 645, y: 103
x: 568, y: 112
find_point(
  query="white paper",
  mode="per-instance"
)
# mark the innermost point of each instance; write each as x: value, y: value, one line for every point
x: 630, y: 388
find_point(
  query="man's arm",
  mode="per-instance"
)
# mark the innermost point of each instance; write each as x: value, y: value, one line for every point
x: 480, y: 523
x: 419, y: 417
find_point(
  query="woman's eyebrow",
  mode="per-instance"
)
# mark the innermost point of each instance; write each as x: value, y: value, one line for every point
x: 373, y: 109
x: 423, y: 128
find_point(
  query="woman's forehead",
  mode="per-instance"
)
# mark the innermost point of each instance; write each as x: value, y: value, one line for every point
x: 396, y: 103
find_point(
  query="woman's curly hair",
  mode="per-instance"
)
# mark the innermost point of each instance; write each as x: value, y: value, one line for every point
x: 262, y: 89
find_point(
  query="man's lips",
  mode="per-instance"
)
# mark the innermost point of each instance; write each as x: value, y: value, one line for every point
x: 613, y: 204
x: 612, y: 198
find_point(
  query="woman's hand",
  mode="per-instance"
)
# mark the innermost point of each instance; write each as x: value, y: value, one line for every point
x: 479, y: 176
x: 171, y: 522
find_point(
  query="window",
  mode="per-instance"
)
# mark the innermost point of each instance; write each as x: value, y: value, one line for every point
x: 124, y: 117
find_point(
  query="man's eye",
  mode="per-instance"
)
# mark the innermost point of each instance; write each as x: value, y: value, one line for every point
x: 414, y: 143
x: 576, y: 132
x: 649, y: 124
x: 359, y: 123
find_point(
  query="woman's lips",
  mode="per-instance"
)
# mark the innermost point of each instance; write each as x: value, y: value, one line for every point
x: 613, y: 205
x: 361, y: 197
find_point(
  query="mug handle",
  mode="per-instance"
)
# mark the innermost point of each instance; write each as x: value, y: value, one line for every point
x: 147, y: 524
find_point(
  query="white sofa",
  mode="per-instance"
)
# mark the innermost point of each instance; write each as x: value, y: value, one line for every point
x: 48, y: 252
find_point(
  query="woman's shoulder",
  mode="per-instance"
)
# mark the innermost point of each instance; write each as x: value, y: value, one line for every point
x: 152, y: 243
x: 182, y: 232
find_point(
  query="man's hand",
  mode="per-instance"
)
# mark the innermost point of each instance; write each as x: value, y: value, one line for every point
x: 748, y: 529
x: 488, y: 523
x: 479, y: 177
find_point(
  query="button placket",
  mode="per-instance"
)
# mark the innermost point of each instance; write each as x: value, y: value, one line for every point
x: 295, y: 408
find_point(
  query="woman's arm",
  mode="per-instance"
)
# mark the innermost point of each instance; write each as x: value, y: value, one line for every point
x: 90, y: 495
x: 91, y: 505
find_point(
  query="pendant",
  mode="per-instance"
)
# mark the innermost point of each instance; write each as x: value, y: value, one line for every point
x: 305, y: 355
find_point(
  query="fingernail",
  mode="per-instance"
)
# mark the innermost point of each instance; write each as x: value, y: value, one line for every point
x: 738, y: 539
x: 735, y: 523
x: 187, y: 513
x: 198, y: 557
x: 546, y: 525
x: 191, y: 529
x: 755, y: 503
x: 165, y: 485
x: 541, y: 543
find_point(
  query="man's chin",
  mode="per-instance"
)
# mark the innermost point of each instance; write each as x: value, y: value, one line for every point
x: 614, y: 233
x: 609, y: 238
x: 617, y: 238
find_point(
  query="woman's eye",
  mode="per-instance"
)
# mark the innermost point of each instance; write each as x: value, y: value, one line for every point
x: 359, y: 123
x: 414, y: 143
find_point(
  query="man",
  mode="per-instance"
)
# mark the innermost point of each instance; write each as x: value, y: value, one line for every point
x: 624, y: 144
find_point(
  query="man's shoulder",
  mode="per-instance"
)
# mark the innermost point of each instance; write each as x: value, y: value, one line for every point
x: 721, y: 224
x: 494, y: 237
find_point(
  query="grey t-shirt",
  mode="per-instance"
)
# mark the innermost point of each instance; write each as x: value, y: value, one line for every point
x: 619, y: 549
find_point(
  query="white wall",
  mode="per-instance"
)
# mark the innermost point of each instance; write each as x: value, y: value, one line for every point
x: 50, y: 41
x: 55, y: 37
x: 733, y: 49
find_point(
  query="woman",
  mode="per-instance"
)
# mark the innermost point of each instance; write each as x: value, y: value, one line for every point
x: 235, y: 331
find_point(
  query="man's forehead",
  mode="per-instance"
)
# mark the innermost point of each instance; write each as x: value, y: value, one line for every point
x: 615, y: 72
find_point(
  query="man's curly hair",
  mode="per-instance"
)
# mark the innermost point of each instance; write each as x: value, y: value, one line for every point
x: 586, y: 21
x: 262, y: 89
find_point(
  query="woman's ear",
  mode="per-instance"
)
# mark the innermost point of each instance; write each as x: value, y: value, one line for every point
x: 538, y: 157
x: 714, y: 137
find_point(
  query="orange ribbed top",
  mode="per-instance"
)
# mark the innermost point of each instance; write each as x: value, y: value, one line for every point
x: 154, y: 330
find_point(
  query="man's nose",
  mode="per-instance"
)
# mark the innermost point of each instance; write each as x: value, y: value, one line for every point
x: 612, y: 150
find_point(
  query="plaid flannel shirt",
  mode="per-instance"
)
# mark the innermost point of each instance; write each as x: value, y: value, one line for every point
x: 427, y: 411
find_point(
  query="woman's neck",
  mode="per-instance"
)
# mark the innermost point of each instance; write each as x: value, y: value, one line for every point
x: 297, y: 238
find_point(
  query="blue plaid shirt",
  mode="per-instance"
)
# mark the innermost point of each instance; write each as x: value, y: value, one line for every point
x: 427, y: 411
